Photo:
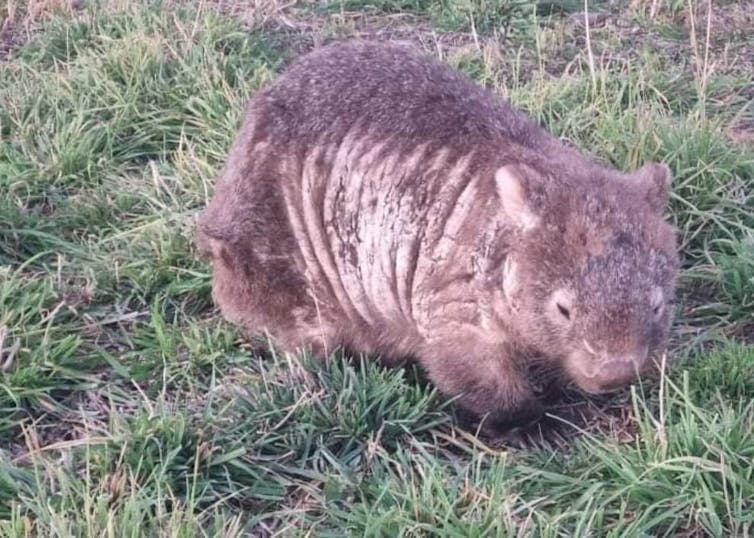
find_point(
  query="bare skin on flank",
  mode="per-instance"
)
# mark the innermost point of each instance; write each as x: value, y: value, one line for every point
x: 376, y: 200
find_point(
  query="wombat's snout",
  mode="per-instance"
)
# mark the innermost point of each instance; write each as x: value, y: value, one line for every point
x: 614, y: 371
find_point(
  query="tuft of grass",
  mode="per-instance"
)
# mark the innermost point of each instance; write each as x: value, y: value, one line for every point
x: 384, y: 6
x: 724, y: 375
x: 484, y: 16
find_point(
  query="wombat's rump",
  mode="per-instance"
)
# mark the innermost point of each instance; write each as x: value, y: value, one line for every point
x: 376, y: 200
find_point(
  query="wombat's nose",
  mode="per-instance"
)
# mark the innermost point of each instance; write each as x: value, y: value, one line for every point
x: 616, y: 372
x: 609, y: 371
x: 622, y: 368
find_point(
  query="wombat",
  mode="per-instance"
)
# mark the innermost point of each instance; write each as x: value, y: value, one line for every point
x: 378, y: 201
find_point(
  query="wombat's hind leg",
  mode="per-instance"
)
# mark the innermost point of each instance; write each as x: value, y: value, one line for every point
x: 267, y: 299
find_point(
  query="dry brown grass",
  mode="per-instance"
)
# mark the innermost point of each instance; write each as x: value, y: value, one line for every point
x: 21, y: 19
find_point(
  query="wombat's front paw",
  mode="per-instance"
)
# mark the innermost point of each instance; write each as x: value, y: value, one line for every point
x: 502, y: 422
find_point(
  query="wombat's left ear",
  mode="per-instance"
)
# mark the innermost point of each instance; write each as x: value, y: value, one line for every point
x: 513, y: 185
x: 655, y: 179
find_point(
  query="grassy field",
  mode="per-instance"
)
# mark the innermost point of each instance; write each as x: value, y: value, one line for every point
x: 129, y: 408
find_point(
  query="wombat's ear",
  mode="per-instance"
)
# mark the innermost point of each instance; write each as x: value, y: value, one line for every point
x: 655, y: 179
x: 511, y: 182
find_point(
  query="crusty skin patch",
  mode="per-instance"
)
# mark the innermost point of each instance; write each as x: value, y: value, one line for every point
x: 378, y: 201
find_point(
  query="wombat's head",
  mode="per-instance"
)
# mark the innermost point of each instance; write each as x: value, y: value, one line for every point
x: 591, y: 276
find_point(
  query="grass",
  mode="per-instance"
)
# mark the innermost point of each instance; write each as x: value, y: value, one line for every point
x: 129, y: 408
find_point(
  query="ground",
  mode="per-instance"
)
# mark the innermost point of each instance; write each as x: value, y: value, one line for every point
x: 129, y: 407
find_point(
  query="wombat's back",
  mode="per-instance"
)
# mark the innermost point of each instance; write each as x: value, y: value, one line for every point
x: 394, y: 90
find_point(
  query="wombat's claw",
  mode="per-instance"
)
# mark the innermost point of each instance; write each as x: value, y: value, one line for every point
x: 522, y: 437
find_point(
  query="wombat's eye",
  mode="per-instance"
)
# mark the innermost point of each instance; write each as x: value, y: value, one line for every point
x: 563, y: 310
x: 561, y: 305
x: 657, y: 301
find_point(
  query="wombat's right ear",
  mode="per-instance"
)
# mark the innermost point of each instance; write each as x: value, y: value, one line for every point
x: 655, y: 179
x: 511, y: 187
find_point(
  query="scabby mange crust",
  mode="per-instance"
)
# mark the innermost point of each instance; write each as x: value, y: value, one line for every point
x: 376, y: 200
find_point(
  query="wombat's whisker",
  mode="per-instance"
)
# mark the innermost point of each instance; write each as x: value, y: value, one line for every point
x: 589, y: 348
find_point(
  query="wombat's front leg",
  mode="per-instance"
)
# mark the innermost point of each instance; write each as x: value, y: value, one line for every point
x: 486, y: 382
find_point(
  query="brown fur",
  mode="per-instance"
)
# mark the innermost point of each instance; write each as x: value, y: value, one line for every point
x: 376, y: 200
